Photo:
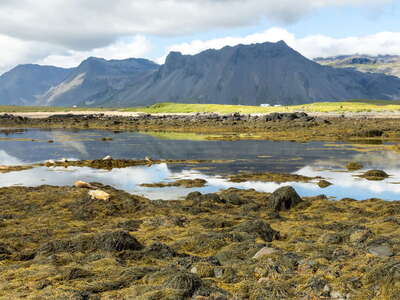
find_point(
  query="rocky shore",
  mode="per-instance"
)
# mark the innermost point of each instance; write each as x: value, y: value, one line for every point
x: 63, y: 243
x: 276, y: 126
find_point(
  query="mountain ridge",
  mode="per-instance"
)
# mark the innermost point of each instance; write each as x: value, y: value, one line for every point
x: 252, y: 74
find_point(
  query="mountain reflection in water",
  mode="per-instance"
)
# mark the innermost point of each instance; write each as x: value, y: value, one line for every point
x: 309, y: 159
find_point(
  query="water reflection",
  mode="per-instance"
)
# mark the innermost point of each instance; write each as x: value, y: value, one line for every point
x: 129, y: 179
x: 309, y: 159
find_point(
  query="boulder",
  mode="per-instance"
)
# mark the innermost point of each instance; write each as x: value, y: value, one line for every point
x: 232, y: 198
x: 283, y: 198
x: 258, y: 228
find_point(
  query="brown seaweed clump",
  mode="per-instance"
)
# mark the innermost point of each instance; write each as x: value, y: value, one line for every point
x: 186, y: 183
x: 59, y: 243
x: 375, y: 175
x: 270, y: 177
x: 354, y: 166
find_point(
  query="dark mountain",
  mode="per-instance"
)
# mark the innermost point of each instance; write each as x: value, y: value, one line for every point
x: 245, y: 74
x: 96, y: 80
x: 253, y: 74
x: 23, y: 84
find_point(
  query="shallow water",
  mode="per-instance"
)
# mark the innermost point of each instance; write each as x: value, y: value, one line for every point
x: 310, y: 159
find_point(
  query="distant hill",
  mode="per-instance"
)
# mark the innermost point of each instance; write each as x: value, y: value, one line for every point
x: 25, y: 83
x: 254, y: 74
x: 386, y: 64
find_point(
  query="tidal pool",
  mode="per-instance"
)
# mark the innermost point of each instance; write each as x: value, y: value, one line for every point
x: 309, y: 159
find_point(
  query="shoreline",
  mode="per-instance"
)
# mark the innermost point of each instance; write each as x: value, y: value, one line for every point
x: 275, y: 126
x: 113, y: 113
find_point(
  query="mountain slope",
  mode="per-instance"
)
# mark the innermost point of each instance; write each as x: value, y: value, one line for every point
x: 386, y: 64
x: 245, y: 74
x: 253, y: 74
x: 96, y: 80
x: 25, y: 83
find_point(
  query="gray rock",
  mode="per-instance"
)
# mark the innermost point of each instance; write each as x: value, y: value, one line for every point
x: 381, y: 250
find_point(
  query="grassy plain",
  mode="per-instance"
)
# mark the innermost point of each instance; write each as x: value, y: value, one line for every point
x: 349, y: 106
x: 169, y: 107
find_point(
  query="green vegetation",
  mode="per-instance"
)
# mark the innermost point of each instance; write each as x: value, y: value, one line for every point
x: 169, y: 107
x: 349, y: 106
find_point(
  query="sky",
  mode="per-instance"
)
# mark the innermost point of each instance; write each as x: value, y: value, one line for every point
x: 63, y: 33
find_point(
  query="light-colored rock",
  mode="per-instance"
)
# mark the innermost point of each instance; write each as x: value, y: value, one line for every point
x: 381, y: 250
x: 264, y: 252
x: 108, y: 157
x: 83, y: 184
x: 50, y: 162
x: 99, y: 195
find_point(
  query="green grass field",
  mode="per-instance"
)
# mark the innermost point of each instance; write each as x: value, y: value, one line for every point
x: 349, y: 106
x: 339, y: 107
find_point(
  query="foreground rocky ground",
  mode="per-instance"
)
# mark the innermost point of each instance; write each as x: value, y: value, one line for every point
x: 275, y: 126
x: 61, y: 243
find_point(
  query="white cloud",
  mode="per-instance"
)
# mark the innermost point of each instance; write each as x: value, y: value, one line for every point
x: 311, y: 46
x: 15, y: 51
x: 137, y: 46
x: 88, y: 24
x: 65, y: 32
